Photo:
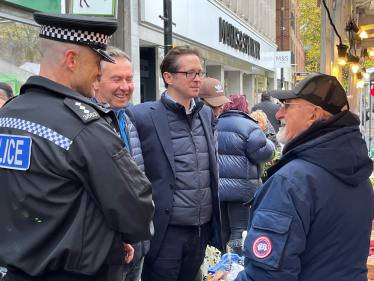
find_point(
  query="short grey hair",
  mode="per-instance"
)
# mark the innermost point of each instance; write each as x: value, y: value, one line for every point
x: 117, y: 53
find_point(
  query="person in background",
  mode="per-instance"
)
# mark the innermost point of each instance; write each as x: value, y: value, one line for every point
x: 242, y: 152
x: 270, y: 109
x: 265, y: 126
x: 213, y: 95
x: 177, y: 135
x: 115, y: 87
x: 6, y: 92
x: 312, y: 218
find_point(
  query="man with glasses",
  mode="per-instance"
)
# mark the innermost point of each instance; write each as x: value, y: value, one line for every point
x: 179, y: 150
x: 312, y: 219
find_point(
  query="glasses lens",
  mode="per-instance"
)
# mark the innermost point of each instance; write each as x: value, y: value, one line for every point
x: 191, y: 74
x: 202, y: 75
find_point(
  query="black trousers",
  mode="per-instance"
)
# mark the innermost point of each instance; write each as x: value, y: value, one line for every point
x: 234, y: 219
x: 180, y: 256
x: 106, y: 273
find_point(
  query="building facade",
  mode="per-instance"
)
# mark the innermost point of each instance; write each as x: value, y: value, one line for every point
x: 237, y: 39
x: 291, y: 40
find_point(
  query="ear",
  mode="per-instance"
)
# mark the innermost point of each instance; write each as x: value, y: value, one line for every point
x: 71, y: 59
x: 315, y: 114
x: 95, y: 86
x: 168, y: 77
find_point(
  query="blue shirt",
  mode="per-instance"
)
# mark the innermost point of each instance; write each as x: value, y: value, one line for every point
x: 193, y: 104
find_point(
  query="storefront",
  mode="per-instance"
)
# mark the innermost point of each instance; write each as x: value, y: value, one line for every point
x: 238, y: 48
x: 232, y: 50
x: 19, y: 34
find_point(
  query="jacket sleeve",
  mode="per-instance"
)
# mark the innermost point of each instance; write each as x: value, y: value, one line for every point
x: 259, y: 150
x: 277, y: 233
x: 119, y: 189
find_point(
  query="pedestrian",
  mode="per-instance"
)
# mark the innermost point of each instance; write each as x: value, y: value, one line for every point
x: 242, y: 152
x: 6, y: 92
x: 177, y: 135
x: 270, y: 109
x: 115, y: 87
x: 266, y: 127
x: 213, y: 95
x: 72, y: 198
x: 312, y: 218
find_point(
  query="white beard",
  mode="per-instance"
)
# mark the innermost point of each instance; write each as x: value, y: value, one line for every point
x: 281, y: 136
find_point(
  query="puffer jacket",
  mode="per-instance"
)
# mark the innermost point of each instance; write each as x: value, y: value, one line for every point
x: 242, y: 152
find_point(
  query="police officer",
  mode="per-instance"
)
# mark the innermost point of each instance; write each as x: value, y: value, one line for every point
x: 71, y: 198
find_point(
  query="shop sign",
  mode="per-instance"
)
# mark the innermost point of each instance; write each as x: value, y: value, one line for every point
x: 300, y: 76
x: 282, y: 59
x: 233, y: 37
x: 47, y: 6
x: 94, y: 7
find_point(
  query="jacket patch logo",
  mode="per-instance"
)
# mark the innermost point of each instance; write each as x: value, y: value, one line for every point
x: 219, y: 88
x: 261, y: 247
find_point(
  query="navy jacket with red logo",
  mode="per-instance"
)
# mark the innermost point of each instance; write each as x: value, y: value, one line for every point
x: 312, y: 219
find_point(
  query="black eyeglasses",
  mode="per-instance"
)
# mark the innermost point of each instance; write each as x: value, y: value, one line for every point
x: 192, y: 74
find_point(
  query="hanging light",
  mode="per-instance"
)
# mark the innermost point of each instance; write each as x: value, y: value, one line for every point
x: 371, y: 53
x: 342, y: 62
x: 342, y: 50
x: 360, y: 84
x: 364, y: 35
x: 364, y: 73
x: 355, y: 68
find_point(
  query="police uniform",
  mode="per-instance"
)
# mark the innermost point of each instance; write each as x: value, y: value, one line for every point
x: 70, y: 192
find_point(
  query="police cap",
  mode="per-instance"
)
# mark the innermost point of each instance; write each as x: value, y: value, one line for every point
x: 74, y: 29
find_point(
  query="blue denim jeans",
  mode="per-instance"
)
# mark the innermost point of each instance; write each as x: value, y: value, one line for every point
x: 133, y: 272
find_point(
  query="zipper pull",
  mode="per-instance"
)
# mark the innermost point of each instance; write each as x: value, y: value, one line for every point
x: 199, y: 230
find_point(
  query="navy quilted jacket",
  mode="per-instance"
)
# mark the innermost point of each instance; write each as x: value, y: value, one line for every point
x: 242, y: 152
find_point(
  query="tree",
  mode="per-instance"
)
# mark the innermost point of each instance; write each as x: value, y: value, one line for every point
x: 309, y: 20
x: 19, y: 43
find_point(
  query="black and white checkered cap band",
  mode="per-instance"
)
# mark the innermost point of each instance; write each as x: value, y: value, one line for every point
x: 38, y: 130
x: 76, y: 36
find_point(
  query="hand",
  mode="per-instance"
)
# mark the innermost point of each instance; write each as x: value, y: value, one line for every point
x: 130, y: 252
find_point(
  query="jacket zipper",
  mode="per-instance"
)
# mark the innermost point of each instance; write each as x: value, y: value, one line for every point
x: 198, y: 176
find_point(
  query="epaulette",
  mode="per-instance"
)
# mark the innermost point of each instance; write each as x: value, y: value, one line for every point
x: 85, y: 112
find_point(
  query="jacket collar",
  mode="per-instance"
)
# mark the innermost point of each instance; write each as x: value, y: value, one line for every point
x: 52, y: 86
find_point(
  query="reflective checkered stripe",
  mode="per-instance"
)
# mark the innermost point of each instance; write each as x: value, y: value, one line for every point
x: 74, y: 35
x: 38, y: 130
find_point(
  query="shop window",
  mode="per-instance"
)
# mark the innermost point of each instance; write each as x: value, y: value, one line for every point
x: 19, y: 56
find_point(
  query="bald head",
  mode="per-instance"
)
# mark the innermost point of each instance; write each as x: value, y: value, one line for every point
x: 71, y: 65
x: 53, y: 52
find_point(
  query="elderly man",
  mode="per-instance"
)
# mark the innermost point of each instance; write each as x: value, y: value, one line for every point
x: 71, y: 195
x: 115, y: 87
x: 179, y: 150
x: 312, y: 219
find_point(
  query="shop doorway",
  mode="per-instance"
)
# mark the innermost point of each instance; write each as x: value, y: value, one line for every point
x: 147, y: 74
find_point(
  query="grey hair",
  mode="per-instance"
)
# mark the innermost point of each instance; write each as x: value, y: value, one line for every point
x: 115, y: 52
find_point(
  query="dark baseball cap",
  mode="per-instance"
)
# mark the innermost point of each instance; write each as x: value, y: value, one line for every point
x: 75, y: 29
x: 319, y: 89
